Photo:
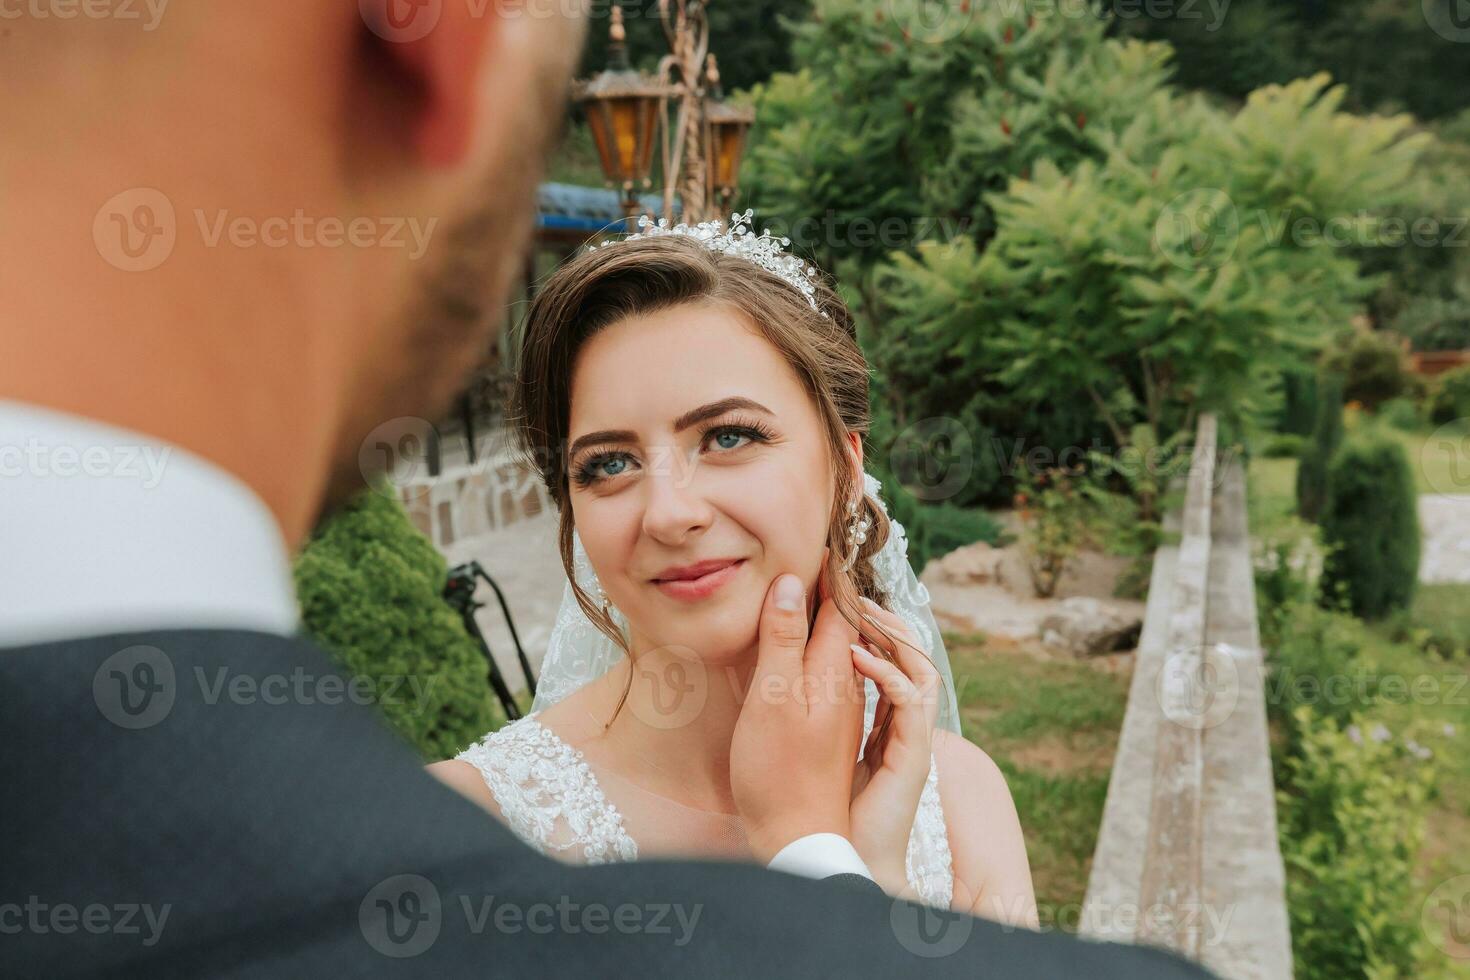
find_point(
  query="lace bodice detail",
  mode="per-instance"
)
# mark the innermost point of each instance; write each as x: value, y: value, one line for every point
x: 550, y: 797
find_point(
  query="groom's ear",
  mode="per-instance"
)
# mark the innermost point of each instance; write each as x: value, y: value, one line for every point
x: 435, y: 52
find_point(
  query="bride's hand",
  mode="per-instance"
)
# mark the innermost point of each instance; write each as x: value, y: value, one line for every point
x: 890, y: 778
x: 799, y: 727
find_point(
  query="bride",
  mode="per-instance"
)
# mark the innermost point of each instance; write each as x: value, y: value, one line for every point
x: 706, y: 398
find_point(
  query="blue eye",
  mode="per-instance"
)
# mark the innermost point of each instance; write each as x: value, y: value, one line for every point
x: 592, y: 471
x: 730, y: 434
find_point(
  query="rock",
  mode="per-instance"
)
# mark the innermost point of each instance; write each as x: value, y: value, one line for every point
x: 974, y: 564
x: 1088, y: 627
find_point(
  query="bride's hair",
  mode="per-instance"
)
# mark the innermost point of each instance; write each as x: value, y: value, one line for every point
x: 602, y: 286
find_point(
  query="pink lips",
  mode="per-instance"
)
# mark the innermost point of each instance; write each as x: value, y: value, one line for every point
x: 689, y: 589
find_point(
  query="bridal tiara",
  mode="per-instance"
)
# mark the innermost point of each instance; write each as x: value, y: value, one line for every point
x: 764, y: 250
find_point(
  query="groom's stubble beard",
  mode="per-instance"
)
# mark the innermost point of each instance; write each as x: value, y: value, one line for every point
x: 445, y: 329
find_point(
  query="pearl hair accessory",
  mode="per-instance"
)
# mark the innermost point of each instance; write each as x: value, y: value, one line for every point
x: 857, y: 533
x: 764, y: 250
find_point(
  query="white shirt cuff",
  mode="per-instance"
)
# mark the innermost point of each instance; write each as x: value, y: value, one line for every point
x: 820, y: 856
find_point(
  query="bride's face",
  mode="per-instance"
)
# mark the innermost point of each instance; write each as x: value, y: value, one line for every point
x: 661, y: 475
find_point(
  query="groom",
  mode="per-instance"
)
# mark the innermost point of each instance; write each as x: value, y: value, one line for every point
x: 241, y: 243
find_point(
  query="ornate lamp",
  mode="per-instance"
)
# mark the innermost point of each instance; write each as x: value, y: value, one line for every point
x: 622, y: 107
x: 726, y: 130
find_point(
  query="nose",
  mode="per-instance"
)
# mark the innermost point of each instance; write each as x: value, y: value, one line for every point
x: 674, y: 506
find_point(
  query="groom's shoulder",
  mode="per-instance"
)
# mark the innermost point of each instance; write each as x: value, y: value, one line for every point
x: 251, y: 828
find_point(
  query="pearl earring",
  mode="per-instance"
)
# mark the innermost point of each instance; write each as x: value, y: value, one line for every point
x: 600, y: 597
x: 857, y: 533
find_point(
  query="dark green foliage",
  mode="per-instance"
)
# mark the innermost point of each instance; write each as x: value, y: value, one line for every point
x: 1370, y: 527
x: 1315, y: 661
x: 1351, y: 824
x: 748, y: 37
x: 1298, y: 402
x: 1255, y: 42
x: 934, y: 530
x: 1374, y: 368
x: 1312, y: 474
x: 1284, y: 446
x: 1451, y: 399
x: 1403, y: 414
x: 370, y: 589
x: 1418, y: 253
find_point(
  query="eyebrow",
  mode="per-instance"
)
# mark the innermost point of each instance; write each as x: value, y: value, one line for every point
x: 692, y: 417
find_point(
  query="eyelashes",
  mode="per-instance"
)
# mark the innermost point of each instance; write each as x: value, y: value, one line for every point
x: 587, y: 472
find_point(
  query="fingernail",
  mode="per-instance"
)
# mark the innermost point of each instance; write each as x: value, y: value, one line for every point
x: 788, y: 592
x: 859, y: 650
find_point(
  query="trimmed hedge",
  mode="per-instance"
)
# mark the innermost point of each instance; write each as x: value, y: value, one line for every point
x: 370, y: 587
x: 1311, y: 475
x: 1370, y: 527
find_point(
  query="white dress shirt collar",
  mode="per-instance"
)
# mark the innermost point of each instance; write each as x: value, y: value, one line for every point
x: 108, y: 530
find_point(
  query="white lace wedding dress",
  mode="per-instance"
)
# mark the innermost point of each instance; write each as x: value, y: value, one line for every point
x: 549, y: 795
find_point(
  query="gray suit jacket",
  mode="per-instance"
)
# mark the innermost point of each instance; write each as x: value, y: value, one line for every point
x: 207, y: 802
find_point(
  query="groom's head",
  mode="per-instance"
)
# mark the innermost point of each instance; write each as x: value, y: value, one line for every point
x: 261, y: 230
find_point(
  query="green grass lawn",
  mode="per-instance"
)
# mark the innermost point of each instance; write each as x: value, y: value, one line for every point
x: 1052, y: 727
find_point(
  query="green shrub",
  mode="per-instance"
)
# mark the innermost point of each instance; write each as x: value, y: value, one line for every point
x: 1451, y: 396
x: 1298, y: 402
x: 1311, y: 475
x: 1057, y: 514
x: 1315, y: 660
x: 370, y: 587
x: 1284, y: 445
x: 1402, y: 414
x: 1374, y: 368
x: 947, y: 527
x: 1351, y: 823
x: 1370, y: 527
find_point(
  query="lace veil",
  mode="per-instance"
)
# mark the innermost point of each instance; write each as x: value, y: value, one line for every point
x: 579, y: 652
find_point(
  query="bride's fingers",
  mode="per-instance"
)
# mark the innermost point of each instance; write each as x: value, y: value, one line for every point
x: 873, y: 752
x: 910, y: 716
x: 919, y: 669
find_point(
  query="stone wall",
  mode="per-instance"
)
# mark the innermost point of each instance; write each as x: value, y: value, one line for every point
x: 1187, y: 855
